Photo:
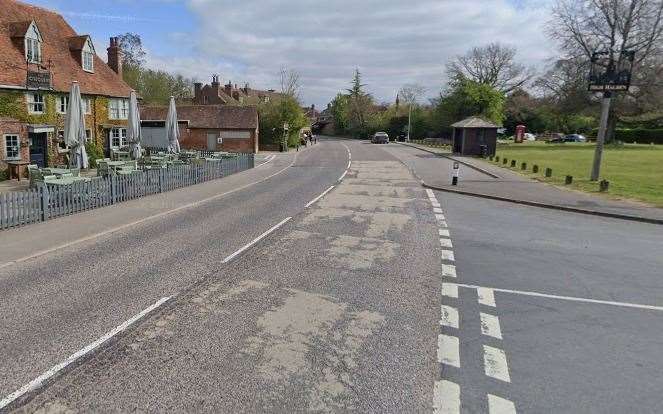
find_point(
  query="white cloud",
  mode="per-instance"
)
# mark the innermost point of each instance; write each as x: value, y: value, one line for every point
x: 391, y: 41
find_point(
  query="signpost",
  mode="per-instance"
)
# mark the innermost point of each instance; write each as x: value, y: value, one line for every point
x: 608, y: 75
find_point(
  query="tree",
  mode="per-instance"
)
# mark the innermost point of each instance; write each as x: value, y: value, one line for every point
x: 470, y: 98
x: 274, y: 114
x: 133, y: 54
x: 494, y: 65
x: 290, y: 82
x: 340, y: 110
x: 359, y: 106
x: 584, y: 27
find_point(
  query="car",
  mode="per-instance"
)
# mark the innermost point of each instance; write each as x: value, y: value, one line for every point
x: 380, y: 138
x: 530, y: 137
x: 575, y: 138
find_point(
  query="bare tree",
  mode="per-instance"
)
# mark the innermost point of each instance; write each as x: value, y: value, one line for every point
x: 411, y: 93
x: 494, y: 65
x: 290, y: 82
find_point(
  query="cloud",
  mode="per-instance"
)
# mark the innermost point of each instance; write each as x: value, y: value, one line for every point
x: 392, y: 42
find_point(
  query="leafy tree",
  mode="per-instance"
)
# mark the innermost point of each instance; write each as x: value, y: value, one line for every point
x: 340, y: 110
x: 469, y: 98
x: 274, y: 114
x: 359, y: 106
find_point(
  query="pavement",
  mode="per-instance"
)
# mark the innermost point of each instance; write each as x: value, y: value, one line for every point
x: 340, y: 284
x: 488, y: 179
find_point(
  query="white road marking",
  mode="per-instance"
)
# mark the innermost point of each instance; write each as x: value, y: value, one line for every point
x: 499, y: 405
x: 442, y: 224
x: 444, y: 233
x: 256, y: 240
x: 449, y: 317
x: 448, y: 270
x: 448, y: 350
x: 267, y: 160
x: 448, y: 255
x: 435, y: 203
x: 486, y: 296
x: 141, y: 221
x: 450, y: 290
x: 446, y: 398
x: 446, y: 243
x: 39, y: 381
x: 568, y: 298
x: 342, y: 176
x: 438, y: 210
x: 440, y: 217
x: 430, y: 193
x: 324, y: 193
x: 490, y: 325
x: 494, y: 362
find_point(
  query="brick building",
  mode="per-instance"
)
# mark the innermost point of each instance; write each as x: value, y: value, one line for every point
x: 205, y: 127
x: 229, y: 94
x: 40, y: 56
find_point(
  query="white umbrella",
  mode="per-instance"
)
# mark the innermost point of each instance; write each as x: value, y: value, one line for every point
x: 172, y: 130
x: 74, y: 129
x: 134, y: 135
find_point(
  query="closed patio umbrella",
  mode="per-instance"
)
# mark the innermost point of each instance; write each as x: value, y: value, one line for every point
x: 74, y: 129
x: 134, y: 135
x: 172, y: 130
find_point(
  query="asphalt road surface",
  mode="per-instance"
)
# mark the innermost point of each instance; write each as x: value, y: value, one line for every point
x: 373, y: 295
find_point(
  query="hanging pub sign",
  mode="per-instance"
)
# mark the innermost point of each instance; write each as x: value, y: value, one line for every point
x: 38, y: 80
x: 608, y: 74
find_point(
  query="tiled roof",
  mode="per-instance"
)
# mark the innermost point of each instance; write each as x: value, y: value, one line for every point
x: 474, y: 122
x: 15, y: 18
x: 207, y: 116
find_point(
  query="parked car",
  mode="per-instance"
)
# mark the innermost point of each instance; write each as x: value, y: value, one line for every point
x: 380, y: 138
x: 575, y: 138
x: 529, y: 136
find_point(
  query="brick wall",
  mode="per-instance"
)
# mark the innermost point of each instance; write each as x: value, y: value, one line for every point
x: 12, y: 126
x: 196, y: 138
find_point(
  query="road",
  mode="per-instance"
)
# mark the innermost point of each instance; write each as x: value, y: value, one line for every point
x: 375, y: 295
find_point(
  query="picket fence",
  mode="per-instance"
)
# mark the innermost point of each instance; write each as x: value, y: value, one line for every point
x: 49, y: 201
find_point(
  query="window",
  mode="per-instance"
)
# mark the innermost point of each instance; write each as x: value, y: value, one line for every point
x: 265, y: 99
x: 12, y: 147
x: 60, y: 140
x: 35, y: 103
x: 118, y: 108
x: 33, y: 44
x: 63, y: 104
x: 87, y: 104
x: 88, y: 135
x: 118, y: 138
x: 88, y: 61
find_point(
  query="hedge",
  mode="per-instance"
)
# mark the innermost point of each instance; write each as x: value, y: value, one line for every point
x: 641, y: 136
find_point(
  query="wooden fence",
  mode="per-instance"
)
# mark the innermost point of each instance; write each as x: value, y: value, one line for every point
x: 49, y: 201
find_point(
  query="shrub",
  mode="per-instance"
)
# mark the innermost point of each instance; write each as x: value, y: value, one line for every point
x: 94, y: 151
x: 640, y: 135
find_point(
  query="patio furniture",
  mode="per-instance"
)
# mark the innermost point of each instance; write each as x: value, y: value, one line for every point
x: 17, y: 168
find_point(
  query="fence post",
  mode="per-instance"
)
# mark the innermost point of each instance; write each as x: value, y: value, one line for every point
x: 161, y: 180
x: 43, y: 192
x: 113, y: 188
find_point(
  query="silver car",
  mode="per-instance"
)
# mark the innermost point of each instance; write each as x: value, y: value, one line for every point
x: 380, y: 138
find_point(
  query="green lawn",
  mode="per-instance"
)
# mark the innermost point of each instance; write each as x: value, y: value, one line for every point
x: 635, y: 171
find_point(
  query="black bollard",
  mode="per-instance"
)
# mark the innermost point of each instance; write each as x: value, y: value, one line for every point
x: 568, y: 180
x: 535, y: 169
x: 548, y: 172
x: 604, y: 185
x: 513, y: 163
x: 523, y: 166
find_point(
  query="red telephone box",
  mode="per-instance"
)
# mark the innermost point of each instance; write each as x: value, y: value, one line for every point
x: 520, y: 133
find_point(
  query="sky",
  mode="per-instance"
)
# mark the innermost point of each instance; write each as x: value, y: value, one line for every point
x: 391, y: 42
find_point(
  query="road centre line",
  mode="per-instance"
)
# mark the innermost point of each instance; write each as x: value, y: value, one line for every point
x: 324, y: 193
x: 567, y: 298
x: 143, y: 220
x: 41, y: 379
x: 256, y: 240
x: 499, y: 405
x: 448, y: 350
x: 446, y: 397
x: 490, y: 325
x: 494, y: 362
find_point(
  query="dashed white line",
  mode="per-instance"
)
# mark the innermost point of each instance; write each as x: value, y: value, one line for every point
x: 448, y: 255
x: 448, y: 270
x: 437, y: 210
x: 446, y: 243
x: 324, y: 193
x: 568, y: 298
x: 486, y: 296
x: 449, y: 317
x: 499, y: 405
x: 267, y: 160
x: 490, y: 325
x: 435, y: 204
x: 440, y: 217
x: 442, y: 224
x: 446, y: 397
x: 430, y: 193
x: 450, y: 290
x: 448, y: 350
x: 256, y: 240
x: 444, y: 233
x: 495, y: 366
x: 39, y: 381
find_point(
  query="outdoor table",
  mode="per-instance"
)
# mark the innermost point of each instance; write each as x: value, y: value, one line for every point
x: 57, y: 171
x: 66, y: 180
x: 16, y: 169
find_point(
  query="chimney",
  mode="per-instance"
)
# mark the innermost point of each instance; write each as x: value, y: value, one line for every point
x: 198, y: 93
x: 312, y: 107
x: 215, y: 85
x: 115, y: 56
x: 246, y: 88
x: 229, y: 89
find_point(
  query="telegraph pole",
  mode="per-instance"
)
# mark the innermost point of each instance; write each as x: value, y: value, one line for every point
x: 600, y: 139
x: 409, y: 122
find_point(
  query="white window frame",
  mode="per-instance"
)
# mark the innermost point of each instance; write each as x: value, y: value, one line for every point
x: 16, y: 146
x: 63, y: 102
x: 118, y: 108
x: 33, y: 42
x: 89, y: 136
x: 32, y: 103
x: 87, y: 102
x: 119, y: 134
x: 87, y: 56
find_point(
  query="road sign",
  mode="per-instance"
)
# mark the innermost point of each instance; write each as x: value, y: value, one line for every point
x: 611, y: 73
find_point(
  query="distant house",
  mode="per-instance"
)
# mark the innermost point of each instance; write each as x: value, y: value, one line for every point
x: 205, y: 127
x: 229, y: 94
x: 312, y: 114
x: 40, y: 57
